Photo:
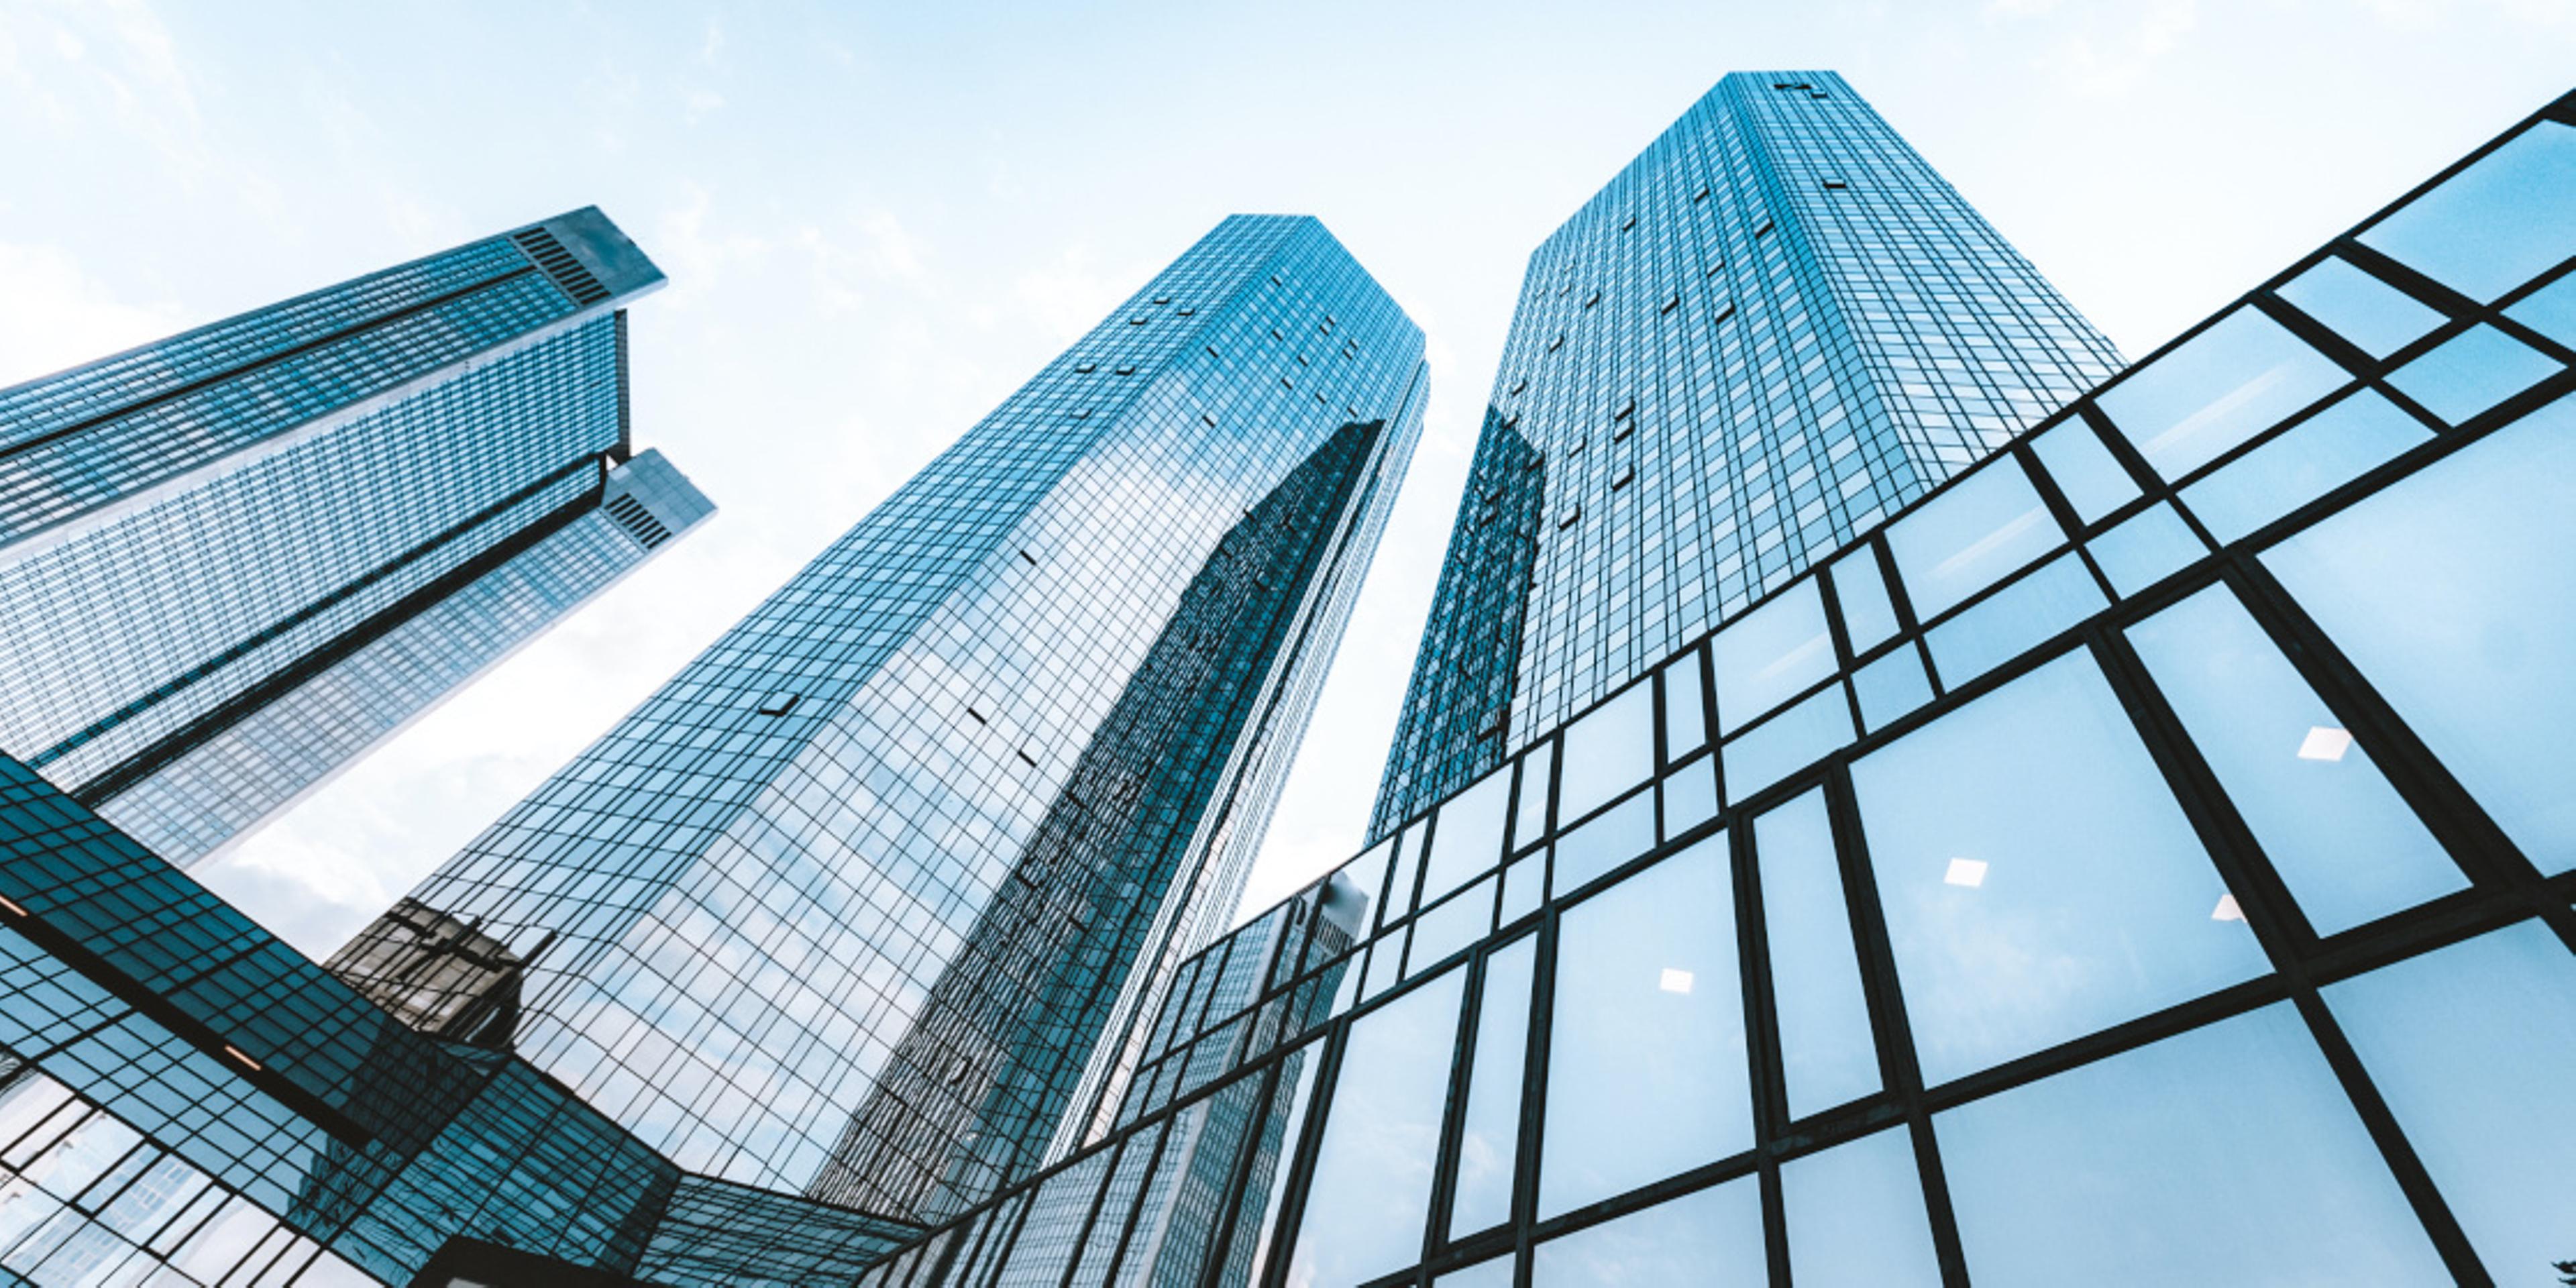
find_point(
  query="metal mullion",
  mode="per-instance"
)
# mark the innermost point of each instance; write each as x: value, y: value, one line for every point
x: 1533, y: 1115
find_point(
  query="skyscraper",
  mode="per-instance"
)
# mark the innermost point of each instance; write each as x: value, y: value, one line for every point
x: 232, y: 560
x: 870, y: 897
x: 1772, y: 329
x: 2149, y: 848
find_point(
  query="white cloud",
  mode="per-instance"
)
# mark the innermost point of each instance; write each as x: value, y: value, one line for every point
x: 59, y: 316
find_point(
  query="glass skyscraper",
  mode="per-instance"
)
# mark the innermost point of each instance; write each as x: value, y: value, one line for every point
x: 869, y: 899
x: 2144, y: 856
x: 1772, y: 329
x: 232, y: 560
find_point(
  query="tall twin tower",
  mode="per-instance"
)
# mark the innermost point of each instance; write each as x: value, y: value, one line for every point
x: 888, y: 937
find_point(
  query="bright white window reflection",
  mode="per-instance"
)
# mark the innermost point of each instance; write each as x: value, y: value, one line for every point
x: 1965, y: 872
x: 2323, y: 743
x: 1675, y: 981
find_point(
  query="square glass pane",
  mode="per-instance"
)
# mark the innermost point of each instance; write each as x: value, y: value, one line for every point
x: 2551, y: 310
x: 1771, y: 654
x: 2454, y: 592
x: 1618, y: 835
x: 1370, y: 1198
x: 2493, y: 226
x: 1607, y: 752
x: 1685, y: 716
x: 2019, y: 616
x: 2470, y: 1046
x: 1825, y: 1043
x: 1468, y: 836
x: 1386, y: 963
x: 1891, y: 687
x: 1970, y: 537
x: 1788, y: 742
x: 1708, y: 1239
x: 1646, y: 1065
x: 2242, y: 376
x: 2146, y: 548
x: 2308, y: 460
x: 2225, y: 1155
x: 1451, y: 926
x: 2349, y: 849
x: 2471, y: 372
x: 2377, y: 318
x: 1489, y: 1135
x: 1524, y: 888
x: 2038, y: 880
x: 1690, y: 796
x: 1869, y: 616
x: 1856, y: 1217
x: 2085, y: 470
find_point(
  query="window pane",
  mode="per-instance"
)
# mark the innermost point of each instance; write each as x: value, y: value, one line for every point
x: 1771, y: 654
x: 2018, y: 617
x: 1869, y: 617
x: 2240, y: 377
x: 1708, y: 1239
x: 1101, y: 1245
x: 1493, y: 1272
x: 1685, y: 722
x: 1788, y: 742
x: 1890, y: 687
x: 1056, y: 1220
x: 1489, y: 1138
x: 2146, y: 548
x: 1646, y: 1068
x: 1825, y: 1043
x: 1469, y: 838
x: 2489, y: 228
x: 1856, y: 1216
x: 2085, y: 470
x: 1400, y: 883
x: 2377, y: 318
x: 2454, y: 592
x: 1524, y: 885
x: 1529, y: 819
x: 1690, y: 796
x: 2471, y: 372
x: 2308, y: 460
x: 1371, y: 1195
x: 1266, y: 1188
x: 2349, y: 849
x: 1970, y: 537
x: 1607, y: 752
x: 1451, y: 926
x: 2038, y: 880
x: 2551, y: 310
x: 2226, y: 1155
x: 1620, y: 834
x: 2471, y: 1047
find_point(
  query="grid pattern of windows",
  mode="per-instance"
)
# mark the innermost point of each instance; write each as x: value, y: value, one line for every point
x: 1772, y: 329
x: 840, y: 892
x: 2152, y: 842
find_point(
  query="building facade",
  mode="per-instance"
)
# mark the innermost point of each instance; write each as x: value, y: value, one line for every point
x: 1772, y: 329
x: 233, y: 560
x: 2144, y: 855
x: 868, y: 899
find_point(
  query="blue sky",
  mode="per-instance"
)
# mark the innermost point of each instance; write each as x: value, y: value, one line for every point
x: 879, y: 220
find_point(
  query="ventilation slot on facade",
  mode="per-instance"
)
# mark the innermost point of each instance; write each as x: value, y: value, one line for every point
x: 548, y: 254
x: 638, y: 521
x: 778, y: 704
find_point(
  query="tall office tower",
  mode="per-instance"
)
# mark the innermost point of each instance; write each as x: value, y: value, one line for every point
x: 1772, y: 329
x: 232, y: 560
x: 869, y: 898
x: 2154, y: 843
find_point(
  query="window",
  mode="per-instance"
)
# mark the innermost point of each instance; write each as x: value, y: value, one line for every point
x: 2084, y: 470
x: 2491, y: 227
x: 1825, y: 1045
x: 1767, y: 656
x: 1708, y: 1239
x: 2239, y: 377
x: 2376, y: 318
x: 1968, y: 538
x: 1855, y: 1216
x: 1608, y: 751
x: 2304, y: 462
x: 1489, y: 1134
x: 2471, y: 372
x: 1371, y: 1190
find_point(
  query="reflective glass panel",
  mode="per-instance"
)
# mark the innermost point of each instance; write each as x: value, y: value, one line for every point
x: 1489, y: 1135
x: 1825, y: 1044
x: 2038, y: 879
x: 1787, y: 742
x: 2471, y: 372
x: 1529, y: 818
x: 1685, y: 719
x: 1620, y: 834
x: 2551, y: 310
x: 1890, y: 687
x: 1970, y: 537
x: 1469, y: 836
x: 1266, y: 1188
x: 1057, y: 1217
x: 2242, y: 376
x: 1607, y: 752
x: 2491, y: 227
x: 2377, y: 318
x: 1708, y: 1239
x: 2454, y: 593
x: 1524, y: 886
x: 1869, y: 616
x: 2349, y: 849
x: 2226, y: 1155
x: 1366, y: 878
x: 2308, y: 460
x: 2146, y: 548
x: 1690, y: 796
x: 1646, y: 1065
x: 1770, y: 655
x: 1493, y: 1272
x: 1856, y: 1217
x: 2085, y: 470
x: 2004, y: 627
x: 1400, y: 883
x: 2471, y: 1047
x: 1371, y: 1193
x: 1453, y: 925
